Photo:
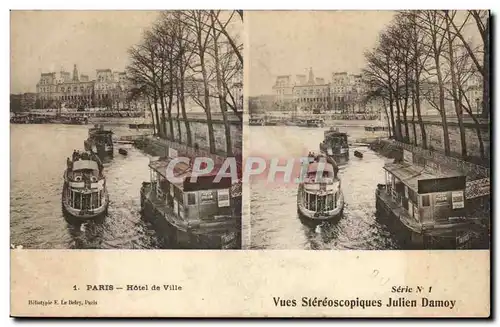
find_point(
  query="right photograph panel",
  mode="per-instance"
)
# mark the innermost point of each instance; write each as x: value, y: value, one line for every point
x: 368, y: 130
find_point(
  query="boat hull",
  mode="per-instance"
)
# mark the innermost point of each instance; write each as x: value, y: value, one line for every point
x: 334, y: 214
x: 73, y: 215
x: 438, y: 238
x: 177, y: 236
x: 82, y: 216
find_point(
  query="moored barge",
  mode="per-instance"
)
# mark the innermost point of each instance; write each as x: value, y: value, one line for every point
x: 100, y: 141
x: 256, y: 121
x: 424, y: 205
x: 335, y: 146
x: 198, y: 214
x: 315, y: 123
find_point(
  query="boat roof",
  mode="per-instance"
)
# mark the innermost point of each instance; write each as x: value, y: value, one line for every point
x: 334, y: 133
x: 184, y: 171
x: 100, y: 131
x: 320, y: 166
x: 410, y: 174
x: 85, y: 165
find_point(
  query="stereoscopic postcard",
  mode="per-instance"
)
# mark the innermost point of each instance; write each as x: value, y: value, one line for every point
x: 229, y: 163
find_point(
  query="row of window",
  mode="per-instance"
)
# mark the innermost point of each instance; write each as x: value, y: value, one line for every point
x: 312, y: 100
x: 74, y: 97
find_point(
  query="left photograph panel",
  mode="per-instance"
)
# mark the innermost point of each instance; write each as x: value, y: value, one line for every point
x: 126, y: 129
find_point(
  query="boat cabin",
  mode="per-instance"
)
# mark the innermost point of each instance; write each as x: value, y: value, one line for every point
x: 85, y: 183
x: 376, y: 128
x: 315, y: 122
x: 203, y: 198
x: 429, y: 196
x: 320, y: 188
x: 256, y: 121
x: 336, y: 142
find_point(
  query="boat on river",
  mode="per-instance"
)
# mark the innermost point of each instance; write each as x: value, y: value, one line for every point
x: 100, y: 141
x: 84, y: 194
x: 425, y: 205
x: 315, y: 123
x: 335, y: 146
x: 253, y: 121
x: 200, y: 214
x: 320, y: 195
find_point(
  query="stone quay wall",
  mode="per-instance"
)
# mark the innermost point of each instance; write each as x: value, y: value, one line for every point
x: 199, y: 133
x: 435, y: 137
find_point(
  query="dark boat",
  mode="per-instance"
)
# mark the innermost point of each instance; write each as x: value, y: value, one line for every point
x: 100, y: 141
x: 256, y: 122
x: 140, y: 126
x: 358, y: 154
x: 271, y: 122
x: 335, y: 146
x: 193, y: 215
x: 84, y: 194
x: 315, y: 123
x: 122, y: 151
x: 320, y: 196
x: 425, y: 207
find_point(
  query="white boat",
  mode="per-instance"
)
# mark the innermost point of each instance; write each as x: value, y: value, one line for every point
x: 320, y: 194
x: 84, y: 194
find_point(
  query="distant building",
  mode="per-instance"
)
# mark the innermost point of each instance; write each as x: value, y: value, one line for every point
x: 345, y: 93
x: 63, y: 89
x: 283, y: 90
x: 312, y: 95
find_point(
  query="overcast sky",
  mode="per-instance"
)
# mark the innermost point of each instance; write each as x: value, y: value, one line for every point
x: 289, y: 42
x: 44, y: 41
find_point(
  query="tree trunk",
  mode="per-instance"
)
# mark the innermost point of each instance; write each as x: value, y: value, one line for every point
x: 222, y: 94
x: 163, y: 118
x: 152, y: 115
x: 169, y: 112
x: 442, y: 109
x: 391, y: 110
x: 183, y: 108
x: 388, y: 119
x: 486, y: 72
x: 454, y: 88
x: 413, y: 124
x: 178, y: 114
x: 206, y: 94
x: 419, y: 112
x: 159, y: 130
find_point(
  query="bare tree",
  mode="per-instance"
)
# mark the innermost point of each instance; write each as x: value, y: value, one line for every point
x: 432, y: 23
x: 449, y: 16
x: 197, y: 22
x: 482, y: 21
x: 143, y: 72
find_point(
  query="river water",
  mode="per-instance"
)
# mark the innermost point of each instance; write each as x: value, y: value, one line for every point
x: 274, y: 222
x: 38, y: 160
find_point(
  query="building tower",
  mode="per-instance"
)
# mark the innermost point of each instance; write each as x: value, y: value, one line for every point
x: 75, y: 74
x: 311, y: 77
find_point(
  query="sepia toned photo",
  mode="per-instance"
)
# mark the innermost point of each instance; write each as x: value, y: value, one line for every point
x: 372, y: 129
x: 250, y: 163
x: 120, y: 121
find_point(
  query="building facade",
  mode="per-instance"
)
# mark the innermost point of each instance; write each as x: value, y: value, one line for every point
x: 348, y: 93
x: 283, y: 91
x: 314, y: 95
x: 343, y: 94
x: 63, y: 89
